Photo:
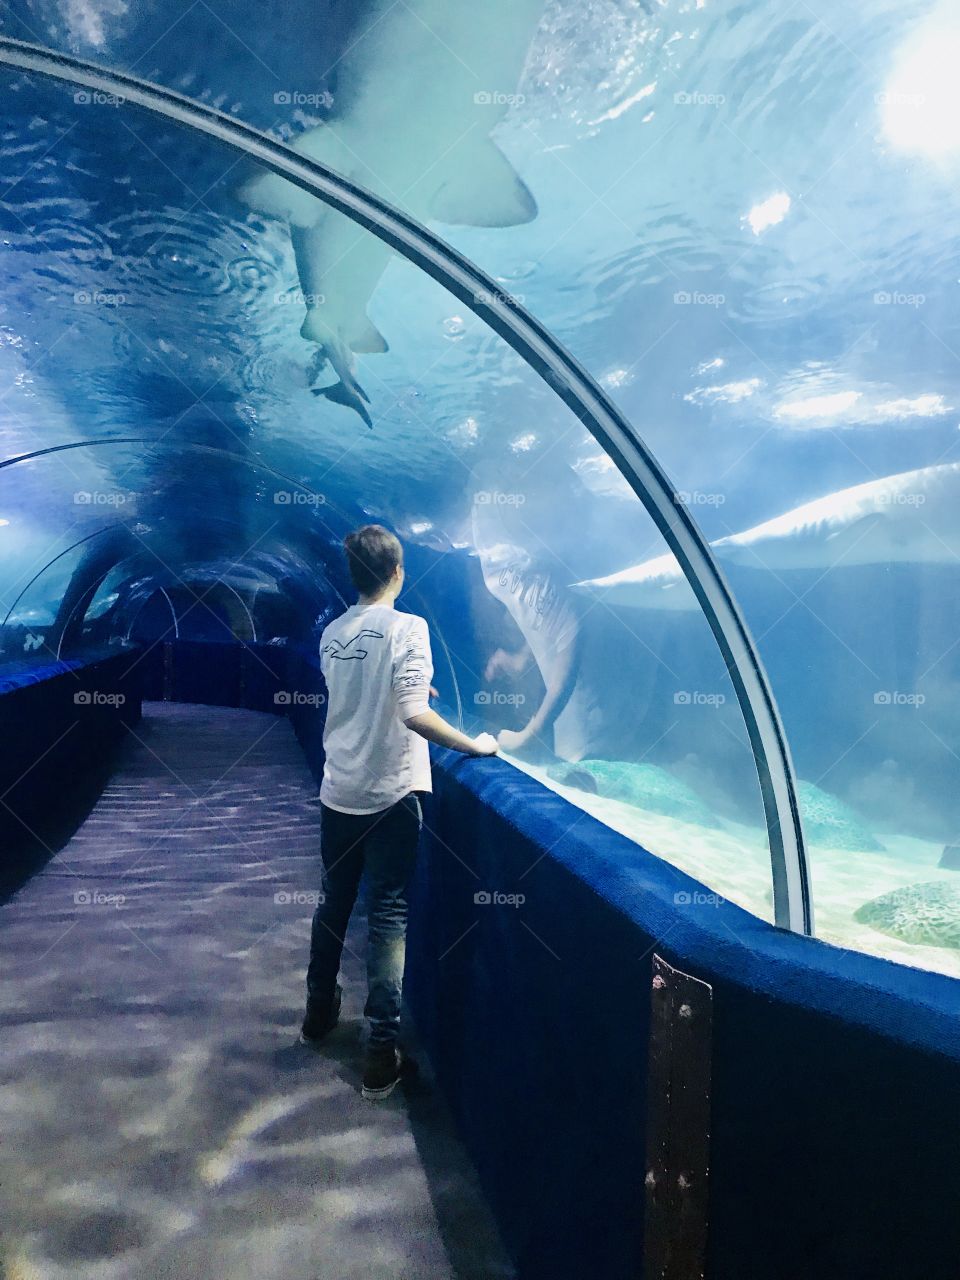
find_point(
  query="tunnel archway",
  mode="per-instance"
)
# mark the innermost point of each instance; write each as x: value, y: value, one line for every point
x: 543, y: 353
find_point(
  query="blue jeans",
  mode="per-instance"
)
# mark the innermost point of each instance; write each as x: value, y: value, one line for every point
x: 384, y: 845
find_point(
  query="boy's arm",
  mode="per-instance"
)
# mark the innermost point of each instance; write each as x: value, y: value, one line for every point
x: 413, y: 672
x: 434, y: 728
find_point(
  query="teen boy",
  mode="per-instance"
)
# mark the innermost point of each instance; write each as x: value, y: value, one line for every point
x: 377, y: 666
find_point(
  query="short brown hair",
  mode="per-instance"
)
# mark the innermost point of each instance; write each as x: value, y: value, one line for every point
x: 373, y: 553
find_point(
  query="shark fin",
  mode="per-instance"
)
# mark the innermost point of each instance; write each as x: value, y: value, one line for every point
x: 485, y: 192
x: 340, y: 393
x: 368, y: 340
x: 270, y: 194
x: 314, y: 329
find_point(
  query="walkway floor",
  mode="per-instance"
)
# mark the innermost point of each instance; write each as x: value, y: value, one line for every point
x: 158, y: 1119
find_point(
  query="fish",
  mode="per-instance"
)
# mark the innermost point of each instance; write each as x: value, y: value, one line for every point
x: 346, y: 390
x: 658, y: 583
x: 643, y: 785
x: 912, y: 517
x: 423, y: 86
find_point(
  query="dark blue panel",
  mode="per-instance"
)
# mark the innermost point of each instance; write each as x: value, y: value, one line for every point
x: 222, y: 675
x: 836, y: 1075
x: 307, y: 709
x: 58, y: 727
x: 206, y: 673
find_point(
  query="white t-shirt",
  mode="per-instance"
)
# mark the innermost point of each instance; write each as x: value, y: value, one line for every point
x: 378, y: 668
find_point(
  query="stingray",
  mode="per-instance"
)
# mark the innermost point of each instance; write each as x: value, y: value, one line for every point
x: 645, y: 786
x: 829, y: 822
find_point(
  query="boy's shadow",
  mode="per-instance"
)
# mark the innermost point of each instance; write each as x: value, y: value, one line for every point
x: 463, y: 1217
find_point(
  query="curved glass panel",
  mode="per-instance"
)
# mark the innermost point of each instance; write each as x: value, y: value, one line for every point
x: 743, y: 226
x: 31, y: 603
x: 503, y: 499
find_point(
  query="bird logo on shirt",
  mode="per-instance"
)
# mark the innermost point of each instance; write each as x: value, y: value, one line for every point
x: 349, y: 651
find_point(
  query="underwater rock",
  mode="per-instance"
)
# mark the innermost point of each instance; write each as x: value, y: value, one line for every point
x: 646, y: 786
x: 582, y: 779
x: 926, y: 914
x: 828, y: 821
x: 950, y: 858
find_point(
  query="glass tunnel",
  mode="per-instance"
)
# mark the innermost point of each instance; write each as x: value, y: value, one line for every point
x: 162, y: 429
x: 636, y: 323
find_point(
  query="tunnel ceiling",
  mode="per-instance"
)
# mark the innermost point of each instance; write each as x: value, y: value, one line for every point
x: 700, y: 241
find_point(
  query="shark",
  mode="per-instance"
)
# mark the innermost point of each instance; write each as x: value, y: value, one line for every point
x: 909, y: 518
x: 423, y: 84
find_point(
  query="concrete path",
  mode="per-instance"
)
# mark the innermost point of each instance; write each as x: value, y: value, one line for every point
x: 157, y: 1118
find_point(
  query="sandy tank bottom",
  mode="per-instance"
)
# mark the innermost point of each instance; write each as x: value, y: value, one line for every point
x: 733, y: 861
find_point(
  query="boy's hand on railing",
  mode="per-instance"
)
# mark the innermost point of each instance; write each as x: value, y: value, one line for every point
x: 434, y: 728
